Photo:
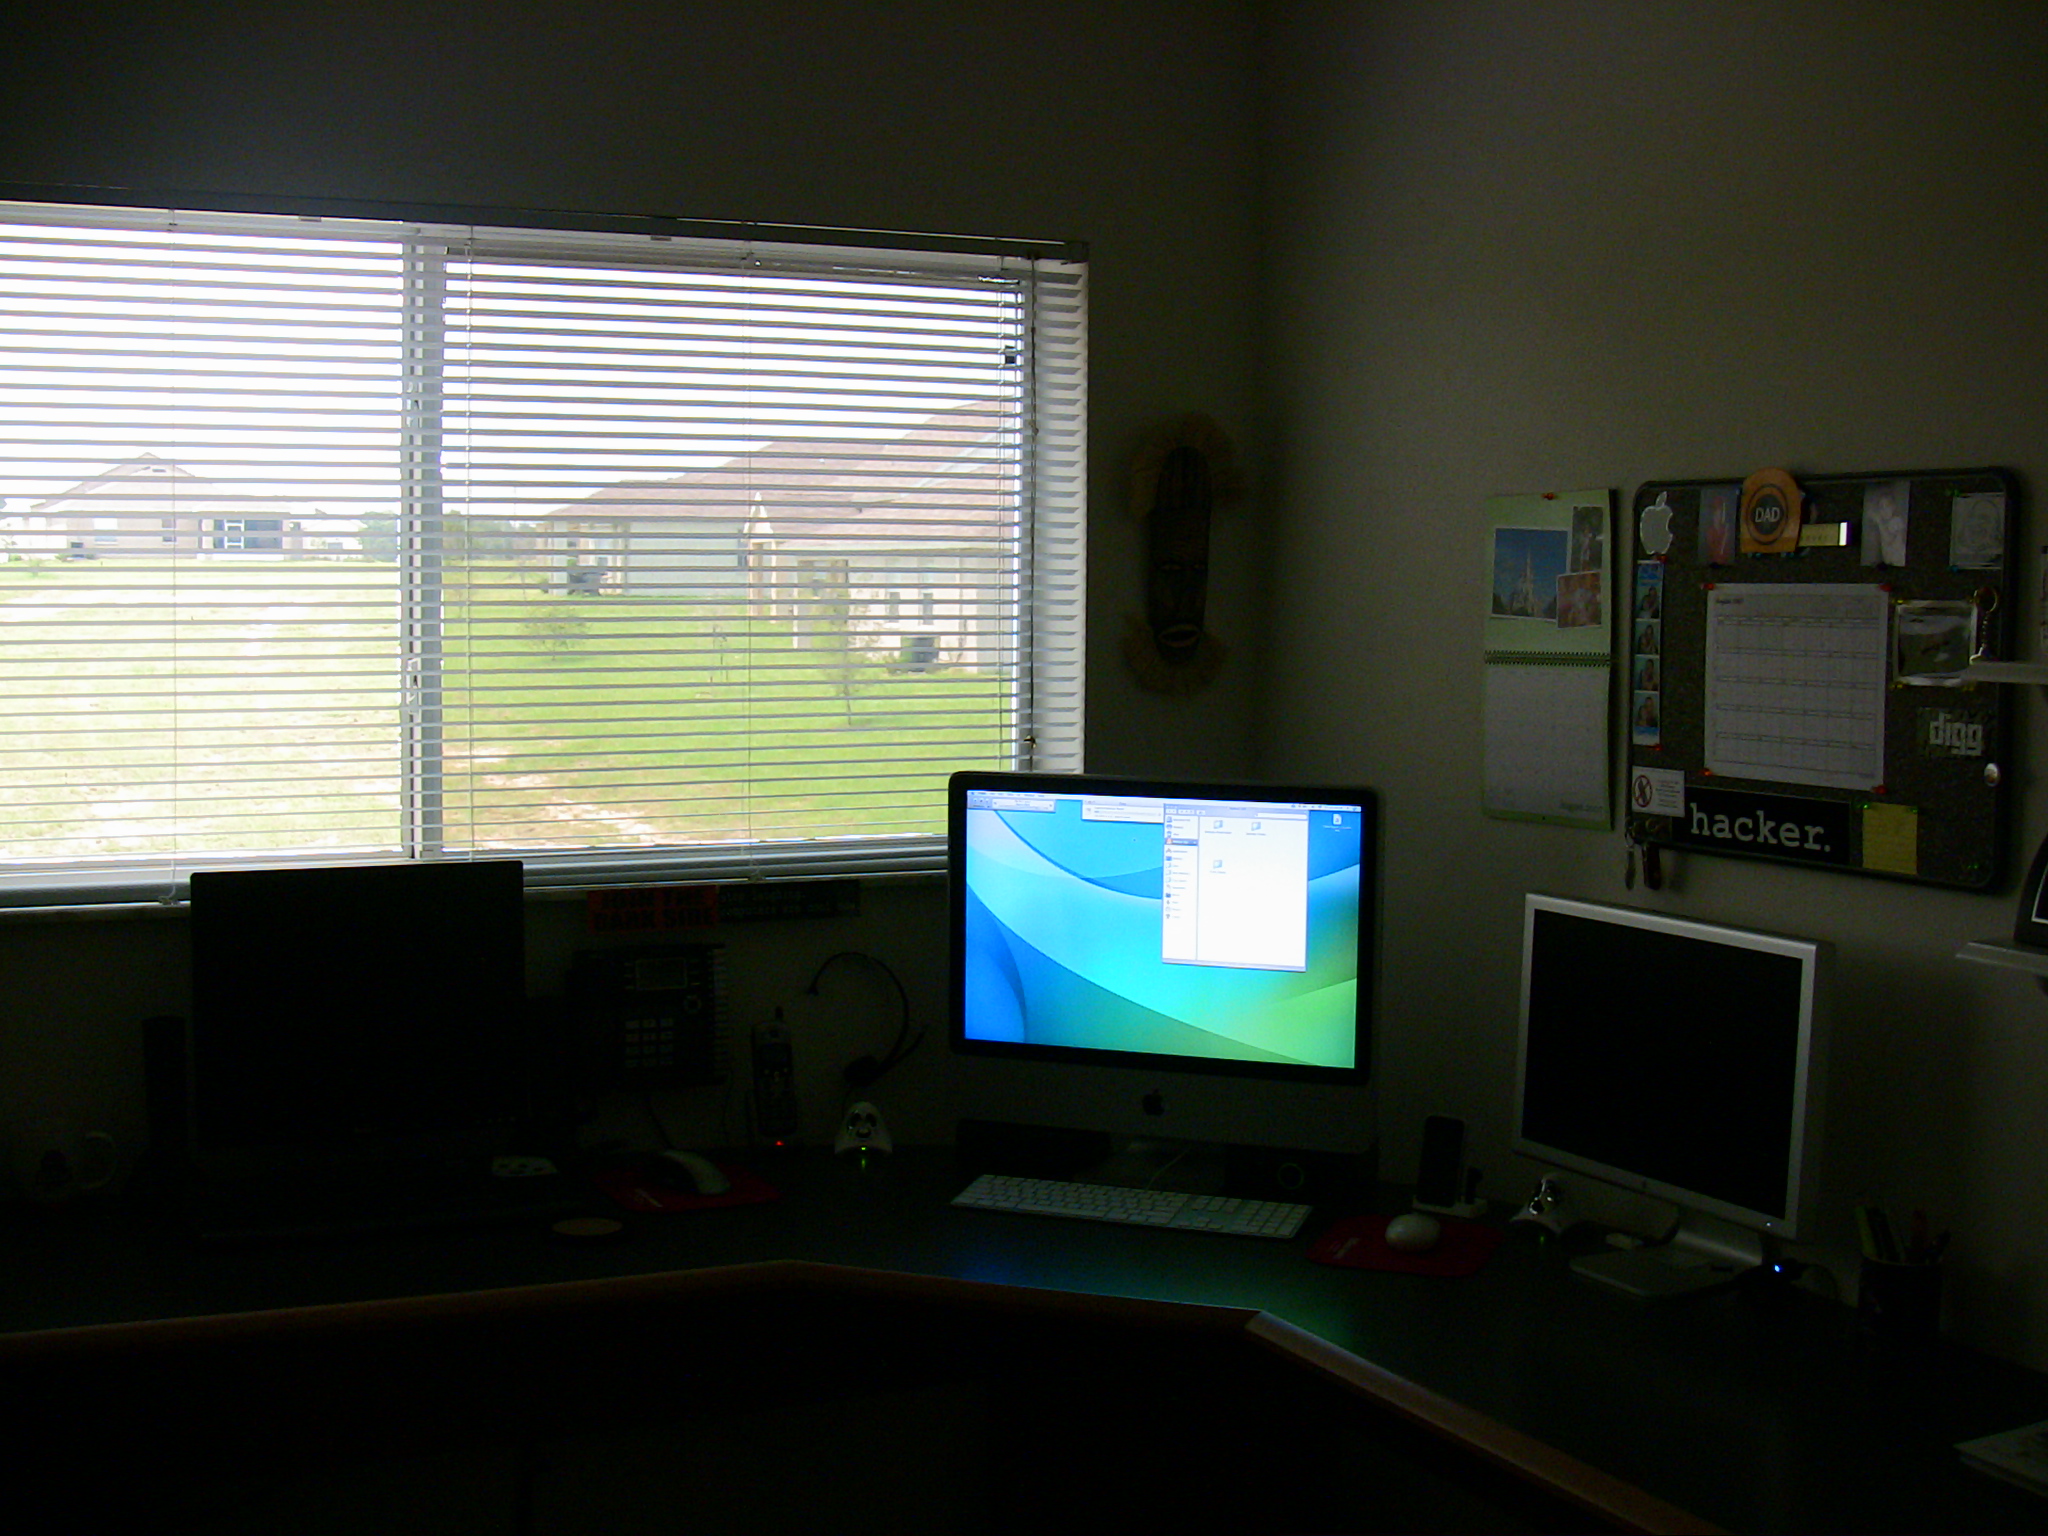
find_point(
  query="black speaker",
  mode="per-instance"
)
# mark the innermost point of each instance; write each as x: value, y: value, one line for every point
x: 1440, y: 1183
x: 165, y: 1090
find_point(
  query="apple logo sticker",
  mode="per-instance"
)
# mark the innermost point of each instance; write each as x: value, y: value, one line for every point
x: 1653, y: 529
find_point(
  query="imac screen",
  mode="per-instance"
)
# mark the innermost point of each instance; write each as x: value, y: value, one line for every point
x: 1671, y: 1056
x: 1219, y: 928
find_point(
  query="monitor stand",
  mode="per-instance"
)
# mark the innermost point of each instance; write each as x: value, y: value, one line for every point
x: 1703, y: 1254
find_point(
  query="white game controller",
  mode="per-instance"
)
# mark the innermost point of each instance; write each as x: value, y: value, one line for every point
x: 1549, y: 1210
x: 862, y: 1130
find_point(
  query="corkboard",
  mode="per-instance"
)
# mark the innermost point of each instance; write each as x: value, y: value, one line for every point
x: 1802, y: 706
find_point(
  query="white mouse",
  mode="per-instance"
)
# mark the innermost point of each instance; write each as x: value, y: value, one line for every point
x: 1414, y: 1233
x: 694, y: 1169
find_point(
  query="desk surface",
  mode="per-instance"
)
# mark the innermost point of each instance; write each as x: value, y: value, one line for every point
x: 1755, y: 1416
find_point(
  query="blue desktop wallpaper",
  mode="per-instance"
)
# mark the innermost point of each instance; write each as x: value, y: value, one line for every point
x: 1062, y: 948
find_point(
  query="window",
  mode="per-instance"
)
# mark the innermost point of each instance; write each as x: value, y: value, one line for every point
x: 345, y: 538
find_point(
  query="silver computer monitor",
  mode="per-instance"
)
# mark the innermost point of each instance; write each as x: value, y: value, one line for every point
x: 1681, y: 1059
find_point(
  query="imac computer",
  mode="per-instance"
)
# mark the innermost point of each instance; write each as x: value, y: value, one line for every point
x: 1679, y: 1059
x: 1185, y: 971
x: 354, y: 1019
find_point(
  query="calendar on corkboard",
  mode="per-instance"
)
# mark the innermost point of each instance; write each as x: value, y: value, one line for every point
x: 1797, y: 659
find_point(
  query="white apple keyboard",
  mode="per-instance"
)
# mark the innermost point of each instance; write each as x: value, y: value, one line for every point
x: 1134, y: 1207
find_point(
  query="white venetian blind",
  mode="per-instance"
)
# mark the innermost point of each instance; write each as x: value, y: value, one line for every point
x: 633, y: 555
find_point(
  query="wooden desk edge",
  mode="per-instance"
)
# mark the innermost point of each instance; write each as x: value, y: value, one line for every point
x: 1614, y: 1502
x: 1606, y: 1498
x: 570, y: 1295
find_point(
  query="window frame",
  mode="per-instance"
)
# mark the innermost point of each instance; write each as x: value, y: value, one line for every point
x: 1045, y: 592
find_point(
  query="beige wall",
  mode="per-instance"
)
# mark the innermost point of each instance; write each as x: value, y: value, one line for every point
x: 1516, y: 248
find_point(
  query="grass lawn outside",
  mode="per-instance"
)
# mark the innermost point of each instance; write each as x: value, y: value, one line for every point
x: 267, y: 706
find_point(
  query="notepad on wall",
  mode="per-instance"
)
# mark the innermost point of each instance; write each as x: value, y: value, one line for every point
x: 1546, y: 742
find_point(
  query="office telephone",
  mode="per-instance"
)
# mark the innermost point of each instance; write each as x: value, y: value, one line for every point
x: 652, y: 1016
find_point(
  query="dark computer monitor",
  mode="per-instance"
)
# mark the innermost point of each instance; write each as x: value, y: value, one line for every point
x: 1677, y: 1058
x: 1165, y: 960
x: 350, y: 1016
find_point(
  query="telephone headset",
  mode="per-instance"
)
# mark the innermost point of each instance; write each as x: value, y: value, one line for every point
x: 864, y: 1071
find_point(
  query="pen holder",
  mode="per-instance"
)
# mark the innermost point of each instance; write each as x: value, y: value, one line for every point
x: 1900, y: 1302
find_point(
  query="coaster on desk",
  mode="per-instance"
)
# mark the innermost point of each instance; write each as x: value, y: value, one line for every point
x: 589, y: 1229
x: 1360, y: 1242
x: 631, y: 1189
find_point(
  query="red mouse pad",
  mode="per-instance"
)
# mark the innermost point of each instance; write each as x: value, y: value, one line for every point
x: 1360, y: 1242
x: 630, y: 1187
